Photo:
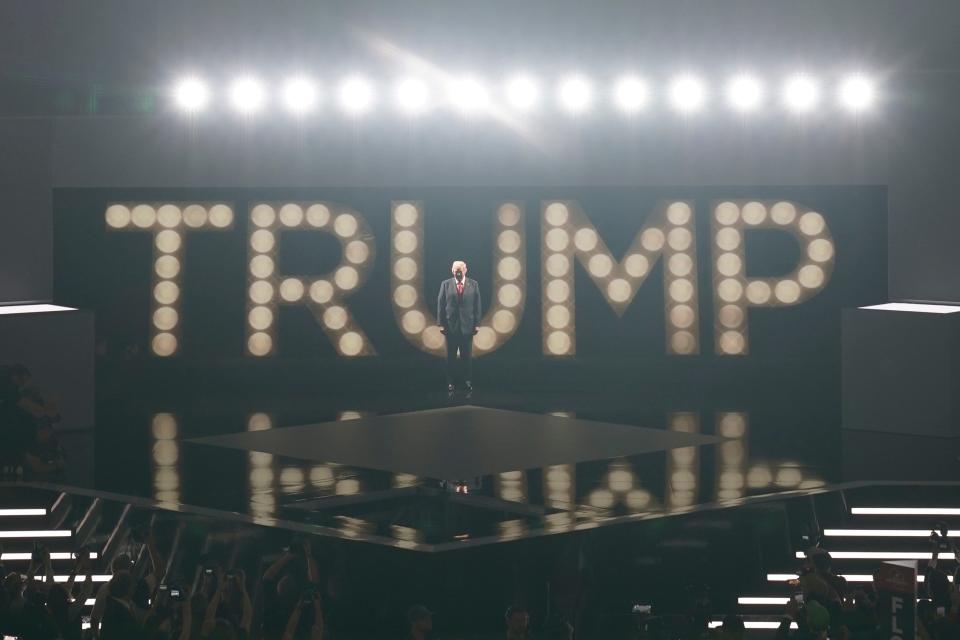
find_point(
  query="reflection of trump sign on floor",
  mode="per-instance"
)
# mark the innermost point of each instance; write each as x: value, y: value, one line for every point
x: 897, y: 601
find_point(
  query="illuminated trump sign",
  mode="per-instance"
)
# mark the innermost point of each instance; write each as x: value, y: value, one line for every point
x: 670, y: 235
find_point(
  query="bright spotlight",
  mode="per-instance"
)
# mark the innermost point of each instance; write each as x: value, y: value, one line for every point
x: 356, y: 95
x: 522, y: 93
x: 575, y: 94
x: 631, y: 94
x: 247, y: 95
x: 687, y: 94
x: 801, y: 94
x: 412, y: 95
x: 300, y: 95
x: 857, y: 93
x: 744, y: 93
x: 468, y: 95
x: 191, y: 94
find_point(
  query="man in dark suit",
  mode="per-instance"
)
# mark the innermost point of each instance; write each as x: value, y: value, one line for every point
x: 458, y: 314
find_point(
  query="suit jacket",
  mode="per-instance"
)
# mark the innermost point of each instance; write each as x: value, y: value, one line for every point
x: 459, y: 313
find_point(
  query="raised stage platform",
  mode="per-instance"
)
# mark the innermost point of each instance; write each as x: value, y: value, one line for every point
x: 458, y: 443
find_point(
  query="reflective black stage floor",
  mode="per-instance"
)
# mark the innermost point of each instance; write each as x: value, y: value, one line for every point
x: 404, y: 466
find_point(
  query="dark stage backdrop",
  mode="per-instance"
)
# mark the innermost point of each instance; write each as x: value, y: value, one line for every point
x: 650, y: 276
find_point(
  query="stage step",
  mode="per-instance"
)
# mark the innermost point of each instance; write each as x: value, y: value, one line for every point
x: 934, y: 512
x: 23, y: 512
x: 24, y: 556
x: 865, y: 533
x: 754, y: 622
x: 880, y: 555
x: 849, y: 577
x: 883, y: 533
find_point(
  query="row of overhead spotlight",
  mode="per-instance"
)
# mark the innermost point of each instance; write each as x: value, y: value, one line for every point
x: 575, y: 94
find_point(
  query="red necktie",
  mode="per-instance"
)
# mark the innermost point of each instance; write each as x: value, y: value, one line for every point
x: 459, y: 288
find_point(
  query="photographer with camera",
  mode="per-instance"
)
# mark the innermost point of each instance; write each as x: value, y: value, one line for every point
x: 64, y: 615
x: 213, y: 623
x: 64, y: 605
x: 44, y: 456
x: 858, y: 616
x: 517, y: 619
x: 16, y: 421
x: 121, y: 564
x: 282, y: 586
x: 25, y: 598
x: 953, y: 613
x: 232, y: 606
x: 27, y: 417
x: 936, y: 582
x: 146, y: 575
x: 821, y: 563
x: 555, y: 627
x: 120, y: 620
x: 170, y: 615
x: 812, y: 618
x: 143, y: 575
x: 939, y: 613
x: 40, y: 560
x: 11, y: 603
x: 310, y: 598
x: 82, y: 565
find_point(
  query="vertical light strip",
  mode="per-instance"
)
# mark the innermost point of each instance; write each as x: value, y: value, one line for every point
x: 262, y: 492
x: 292, y: 480
x: 621, y: 479
x: 507, y: 298
x: 680, y: 281
x: 352, y: 527
x: 621, y: 487
x: 557, y: 292
x: 323, y: 295
x: 415, y: 319
x: 167, y: 289
x: 168, y: 222
x: 683, y: 464
x: 734, y: 293
x: 504, y: 301
x: 406, y: 537
x: 348, y: 485
x: 404, y: 480
x: 511, y: 529
x: 567, y: 232
x: 560, y: 481
x: 324, y: 476
x: 731, y: 481
x: 512, y: 486
x: 759, y: 476
x: 560, y: 486
x: 166, y: 455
